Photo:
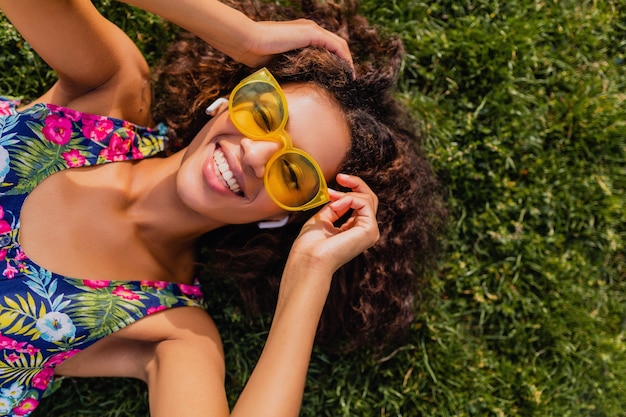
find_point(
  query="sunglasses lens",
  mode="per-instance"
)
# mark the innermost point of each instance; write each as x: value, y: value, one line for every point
x: 292, y: 179
x: 257, y: 109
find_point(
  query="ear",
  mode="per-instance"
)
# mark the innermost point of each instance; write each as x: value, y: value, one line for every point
x: 212, y: 109
x: 273, y: 224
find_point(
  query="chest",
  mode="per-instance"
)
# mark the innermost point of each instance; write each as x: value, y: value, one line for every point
x: 74, y: 224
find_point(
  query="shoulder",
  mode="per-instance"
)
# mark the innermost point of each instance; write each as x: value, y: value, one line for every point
x: 126, y: 95
x: 178, y: 332
x: 164, y: 337
x: 172, y: 324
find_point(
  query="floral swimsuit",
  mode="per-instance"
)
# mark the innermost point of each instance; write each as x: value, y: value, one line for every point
x: 46, y: 318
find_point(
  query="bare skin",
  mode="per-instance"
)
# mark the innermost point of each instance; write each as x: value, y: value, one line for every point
x: 101, y: 71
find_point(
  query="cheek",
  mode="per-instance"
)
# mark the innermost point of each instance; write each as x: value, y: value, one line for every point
x: 190, y: 183
x: 194, y: 194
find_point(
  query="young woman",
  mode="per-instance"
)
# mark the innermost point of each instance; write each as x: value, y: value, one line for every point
x: 100, y: 231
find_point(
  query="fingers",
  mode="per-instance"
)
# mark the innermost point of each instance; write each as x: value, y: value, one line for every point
x: 321, y: 239
x: 357, y: 185
x: 276, y: 37
x: 361, y: 200
x: 333, y: 42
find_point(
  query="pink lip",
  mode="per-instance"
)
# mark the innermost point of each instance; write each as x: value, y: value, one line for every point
x: 211, y: 176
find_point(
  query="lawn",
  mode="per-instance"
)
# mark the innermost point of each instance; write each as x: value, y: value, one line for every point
x: 522, y: 104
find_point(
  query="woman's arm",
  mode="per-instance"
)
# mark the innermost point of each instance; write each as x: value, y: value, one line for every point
x: 276, y: 385
x: 99, y: 68
x: 251, y: 43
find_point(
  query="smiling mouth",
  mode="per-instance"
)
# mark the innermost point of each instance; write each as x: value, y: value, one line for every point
x: 223, y: 172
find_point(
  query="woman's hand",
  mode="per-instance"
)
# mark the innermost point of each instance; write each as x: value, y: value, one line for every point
x: 271, y: 38
x: 249, y: 42
x: 322, y: 245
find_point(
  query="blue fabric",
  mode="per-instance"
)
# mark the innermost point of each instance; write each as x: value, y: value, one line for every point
x: 46, y: 318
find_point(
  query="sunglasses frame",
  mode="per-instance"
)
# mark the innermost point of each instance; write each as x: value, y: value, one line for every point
x: 279, y: 135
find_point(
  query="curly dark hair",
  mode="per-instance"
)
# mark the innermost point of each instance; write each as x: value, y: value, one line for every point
x: 373, y: 298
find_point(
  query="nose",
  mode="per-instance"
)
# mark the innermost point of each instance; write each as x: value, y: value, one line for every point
x: 256, y: 154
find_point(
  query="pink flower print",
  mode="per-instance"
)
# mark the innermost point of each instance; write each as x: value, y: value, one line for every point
x: 153, y: 310
x: 191, y: 290
x: 20, y: 256
x: 159, y: 285
x: 74, y: 159
x: 117, y: 150
x: 10, y: 271
x: 8, y: 343
x: 137, y: 154
x: 120, y: 291
x: 42, y: 379
x: 3, y: 254
x: 5, y: 108
x: 96, y: 128
x: 71, y: 114
x: 5, y: 227
x: 96, y: 283
x: 57, y: 129
x: 31, y: 350
x: 61, y: 357
x: 27, y: 406
x: 13, y: 358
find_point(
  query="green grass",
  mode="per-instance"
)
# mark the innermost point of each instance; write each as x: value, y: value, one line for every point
x: 523, y: 108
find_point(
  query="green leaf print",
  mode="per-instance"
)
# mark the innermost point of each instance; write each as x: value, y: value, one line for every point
x: 41, y: 283
x: 150, y: 145
x: 39, y: 158
x: 20, y: 317
x: 166, y: 299
x: 103, y: 312
x: 22, y: 367
x: 29, y: 167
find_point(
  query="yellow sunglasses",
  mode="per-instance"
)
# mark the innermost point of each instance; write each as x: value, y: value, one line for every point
x: 258, y: 109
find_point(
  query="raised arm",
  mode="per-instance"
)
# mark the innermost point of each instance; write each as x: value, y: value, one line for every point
x: 246, y: 41
x: 277, y: 383
x: 99, y: 68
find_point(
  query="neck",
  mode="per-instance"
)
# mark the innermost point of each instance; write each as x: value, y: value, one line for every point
x: 155, y: 207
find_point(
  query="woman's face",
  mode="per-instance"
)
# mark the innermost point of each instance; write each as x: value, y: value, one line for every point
x: 221, y: 175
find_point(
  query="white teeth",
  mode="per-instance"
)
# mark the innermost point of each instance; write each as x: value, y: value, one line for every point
x: 227, y: 175
x: 224, y: 173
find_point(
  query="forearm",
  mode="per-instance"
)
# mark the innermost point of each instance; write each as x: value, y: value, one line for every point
x: 185, y: 373
x: 277, y: 383
x: 83, y: 47
x: 221, y: 26
x: 276, y: 386
x: 246, y: 41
